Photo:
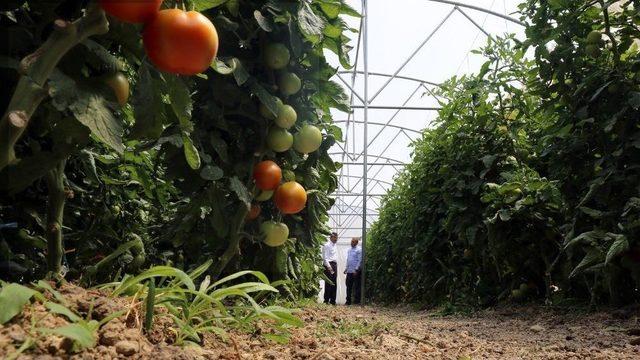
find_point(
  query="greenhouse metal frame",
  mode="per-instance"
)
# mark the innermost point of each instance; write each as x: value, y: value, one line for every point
x: 351, y: 204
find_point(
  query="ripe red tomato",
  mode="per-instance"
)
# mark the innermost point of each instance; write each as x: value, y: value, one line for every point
x: 133, y: 11
x: 267, y: 175
x: 254, y: 212
x: 290, y: 198
x: 181, y: 42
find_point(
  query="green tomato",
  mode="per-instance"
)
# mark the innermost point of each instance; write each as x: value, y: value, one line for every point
x: 138, y: 245
x: 516, y: 294
x: 276, y: 56
x: 279, y: 140
x: 115, y: 210
x: 593, y: 50
x: 289, y: 83
x: 594, y: 37
x: 264, y: 195
x: 275, y: 234
x: 120, y: 86
x: 266, y: 113
x: 308, y: 139
x: 138, y: 261
x: 286, y: 117
x: 524, y: 288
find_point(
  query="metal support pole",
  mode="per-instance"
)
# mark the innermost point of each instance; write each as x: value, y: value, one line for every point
x: 365, y: 142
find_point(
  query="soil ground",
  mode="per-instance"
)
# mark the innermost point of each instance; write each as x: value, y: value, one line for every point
x: 354, y: 332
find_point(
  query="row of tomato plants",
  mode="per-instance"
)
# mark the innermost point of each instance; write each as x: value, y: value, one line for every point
x: 525, y: 186
x: 227, y: 99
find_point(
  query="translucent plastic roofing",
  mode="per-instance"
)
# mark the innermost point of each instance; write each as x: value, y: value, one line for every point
x: 410, y: 47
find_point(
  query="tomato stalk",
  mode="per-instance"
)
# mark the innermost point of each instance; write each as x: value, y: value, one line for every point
x: 55, y: 211
x: 35, y: 70
x: 234, y: 242
x: 607, y: 30
x: 237, y: 223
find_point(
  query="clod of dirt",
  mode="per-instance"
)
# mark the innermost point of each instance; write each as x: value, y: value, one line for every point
x: 536, y: 328
x: 635, y: 341
x: 126, y: 348
x: 633, y: 332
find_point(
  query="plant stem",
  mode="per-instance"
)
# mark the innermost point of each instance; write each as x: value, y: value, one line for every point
x: 36, y: 69
x: 55, y: 212
x: 607, y: 30
x: 234, y: 242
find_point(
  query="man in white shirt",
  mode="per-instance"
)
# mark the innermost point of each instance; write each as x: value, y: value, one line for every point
x: 330, y: 262
x: 353, y: 271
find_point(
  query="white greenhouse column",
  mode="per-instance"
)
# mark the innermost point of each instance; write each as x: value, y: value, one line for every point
x: 365, y: 142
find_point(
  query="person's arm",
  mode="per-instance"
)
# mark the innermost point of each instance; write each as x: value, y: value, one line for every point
x: 358, y: 260
x: 324, y: 257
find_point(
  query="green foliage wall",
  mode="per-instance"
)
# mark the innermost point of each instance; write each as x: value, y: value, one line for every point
x: 167, y: 177
x: 527, y: 186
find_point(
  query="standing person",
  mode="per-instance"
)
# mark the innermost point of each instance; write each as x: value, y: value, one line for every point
x: 330, y: 261
x: 353, y: 271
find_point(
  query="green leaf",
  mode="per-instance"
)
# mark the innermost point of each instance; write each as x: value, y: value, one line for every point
x: 221, y: 67
x: 234, y: 276
x: 211, y: 173
x: 310, y: 24
x: 331, y: 8
x: 148, y: 107
x: 157, y: 271
x: 592, y: 257
x: 180, y: 101
x: 13, y: 297
x: 202, y: 5
x: 596, y: 214
x: 83, y: 336
x: 190, y: 152
x: 62, y: 310
x: 56, y: 294
x: 243, y: 193
x: 95, y: 115
x: 88, y: 107
x: 620, y: 245
x: 239, y: 73
x: 265, y: 97
x: 262, y: 21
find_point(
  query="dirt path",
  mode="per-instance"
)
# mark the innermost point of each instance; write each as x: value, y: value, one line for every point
x: 526, y: 332
x: 510, y: 333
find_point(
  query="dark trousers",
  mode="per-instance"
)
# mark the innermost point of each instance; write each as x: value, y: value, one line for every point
x: 330, y: 289
x: 353, y: 288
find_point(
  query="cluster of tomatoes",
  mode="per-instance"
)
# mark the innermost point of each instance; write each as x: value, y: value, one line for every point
x: 289, y: 197
x: 176, y: 41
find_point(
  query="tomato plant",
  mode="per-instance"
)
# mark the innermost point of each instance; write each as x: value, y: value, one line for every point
x: 173, y: 167
x: 521, y: 190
